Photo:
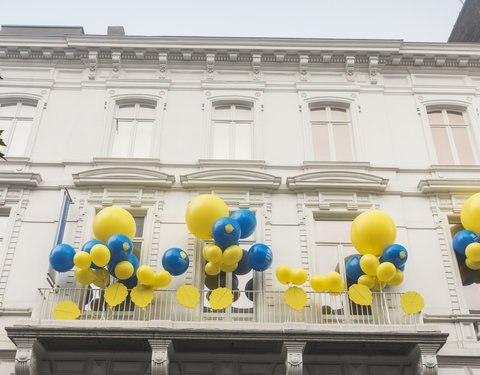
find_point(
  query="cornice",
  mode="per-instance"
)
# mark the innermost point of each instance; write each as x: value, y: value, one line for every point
x: 445, y: 185
x: 231, y: 178
x: 337, y: 180
x: 20, y: 179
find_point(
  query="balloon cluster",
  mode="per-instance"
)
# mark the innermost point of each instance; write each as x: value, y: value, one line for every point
x: 382, y: 262
x: 466, y: 243
x: 332, y: 282
x: 207, y: 217
x: 112, y: 253
x: 285, y: 275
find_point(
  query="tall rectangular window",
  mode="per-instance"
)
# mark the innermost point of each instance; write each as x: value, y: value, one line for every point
x: 133, y: 130
x: 232, y: 128
x: 331, y: 133
x: 451, y: 137
x: 16, y: 120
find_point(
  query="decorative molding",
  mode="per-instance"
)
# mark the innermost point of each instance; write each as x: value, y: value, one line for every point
x: 293, y: 353
x: 116, y: 62
x: 210, y: 65
x: 350, y: 67
x: 424, y: 358
x: 373, y: 69
x: 447, y: 185
x: 161, y: 352
x: 123, y: 177
x: 162, y: 61
x: 256, y: 62
x: 20, y: 179
x: 27, y: 358
x: 303, y: 66
x: 337, y: 180
x: 92, y: 64
x: 231, y: 178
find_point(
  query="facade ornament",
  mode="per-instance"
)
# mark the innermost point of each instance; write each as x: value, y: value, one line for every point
x: 463, y: 61
x: 210, y: 65
x: 187, y: 55
x: 440, y: 60
x: 280, y: 56
x: 92, y: 64
x: 425, y: 357
x: 27, y: 357
x: 303, y: 65
x: 327, y: 57
x: 47, y: 53
x: 256, y: 62
x: 116, y: 61
x: 161, y: 350
x: 350, y: 67
x: 418, y: 60
x: 232, y: 55
x: 293, y: 353
x: 373, y: 69
x: 162, y: 60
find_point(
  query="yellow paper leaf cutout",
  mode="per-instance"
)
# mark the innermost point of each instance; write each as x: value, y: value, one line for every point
x: 188, y: 296
x: 142, y: 295
x: 412, y: 302
x: 360, y: 294
x: 115, y: 294
x: 220, y: 298
x: 66, y: 310
x: 296, y: 298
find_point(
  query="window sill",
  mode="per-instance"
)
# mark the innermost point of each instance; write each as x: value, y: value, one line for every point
x: 231, y: 163
x: 316, y: 164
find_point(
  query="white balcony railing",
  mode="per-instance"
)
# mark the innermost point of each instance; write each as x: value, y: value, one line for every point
x: 268, y: 307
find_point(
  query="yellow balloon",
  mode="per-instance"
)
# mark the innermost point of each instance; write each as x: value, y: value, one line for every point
x: 470, y: 214
x: 372, y: 231
x: 284, y: 274
x: 202, y: 212
x: 82, y: 260
x: 366, y: 280
x: 299, y: 276
x: 161, y: 279
x: 145, y: 275
x: 379, y: 285
x: 212, y: 253
x: 212, y: 269
x: 369, y: 264
x: 229, y: 268
x: 472, y: 252
x: 85, y: 276
x: 339, y: 288
x: 397, y: 279
x: 333, y: 281
x: 113, y: 220
x: 232, y: 255
x: 123, y: 270
x: 100, y: 255
x: 472, y: 265
x: 101, y: 277
x: 318, y: 283
x: 386, y: 271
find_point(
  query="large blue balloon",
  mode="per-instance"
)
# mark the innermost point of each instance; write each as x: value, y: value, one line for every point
x: 61, y: 257
x: 175, y: 261
x: 87, y: 247
x: 395, y: 254
x: 226, y: 232
x: 247, y: 221
x: 120, y: 246
x: 353, y: 268
x: 260, y: 257
x: 243, y: 267
x: 462, y: 239
x: 249, y: 289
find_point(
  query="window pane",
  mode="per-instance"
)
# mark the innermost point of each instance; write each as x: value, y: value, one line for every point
x: 222, y: 113
x: 455, y: 117
x: 318, y: 114
x: 126, y: 111
x: 221, y: 141
x: 121, y: 139
x: 442, y: 146
x: 3, y: 225
x: 18, y: 143
x: 342, y: 139
x: 146, y: 112
x: 143, y: 139
x: 243, y: 141
x: 139, y: 222
x: 27, y: 110
x: 327, y: 259
x: 332, y: 231
x: 8, y: 110
x: 463, y: 145
x: 339, y: 114
x: 243, y: 113
x: 435, y: 117
x: 5, y: 126
x: 321, y: 147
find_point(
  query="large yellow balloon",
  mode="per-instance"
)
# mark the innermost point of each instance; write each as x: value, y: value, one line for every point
x: 372, y: 231
x: 113, y: 220
x: 333, y: 281
x: 284, y: 274
x: 470, y: 214
x: 299, y: 276
x: 202, y: 212
x: 318, y: 283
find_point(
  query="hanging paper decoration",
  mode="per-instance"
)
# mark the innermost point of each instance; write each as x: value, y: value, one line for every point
x: 412, y: 302
x: 188, y: 296
x: 220, y: 298
x: 296, y: 298
x: 142, y: 295
x: 66, y: 310
x: 115, y: 294
x: 360, y: 294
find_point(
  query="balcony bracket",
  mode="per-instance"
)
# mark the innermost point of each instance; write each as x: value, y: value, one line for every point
x: 161, y: 352
x: 293, y: 353
x: 425, y: 357
x: 29, y: 352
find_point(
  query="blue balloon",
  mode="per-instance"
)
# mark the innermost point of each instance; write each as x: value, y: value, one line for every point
x: 175, y: 261
x: 401, y: 268
x: 462, y: 239
x: 395, y: 254
x: 260, y: 257
x: 87, y: 247
x: 226, y: 232
x: 61, y: 257
x: 249, y: 290
x: 353, y: 268
x: 131, y: 282
x: 120, y: 246
x: 243, y: 267
x: 247, y: 221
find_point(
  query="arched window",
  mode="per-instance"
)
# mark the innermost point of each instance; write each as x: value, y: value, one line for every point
x: 232, y: 131
x: 451, y: 136
x: 133, y: 130
x: 16, y: 120
x: 331, y: 132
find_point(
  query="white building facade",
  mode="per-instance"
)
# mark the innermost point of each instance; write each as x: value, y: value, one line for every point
x: 306, y: 133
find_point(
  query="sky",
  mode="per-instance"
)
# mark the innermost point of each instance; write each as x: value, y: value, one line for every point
x: 409, y: 20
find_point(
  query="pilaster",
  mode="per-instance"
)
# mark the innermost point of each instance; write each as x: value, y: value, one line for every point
x: 28, y: 355
x: 161, y: 351
x: 425, y: 357
x: 293, y: 353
